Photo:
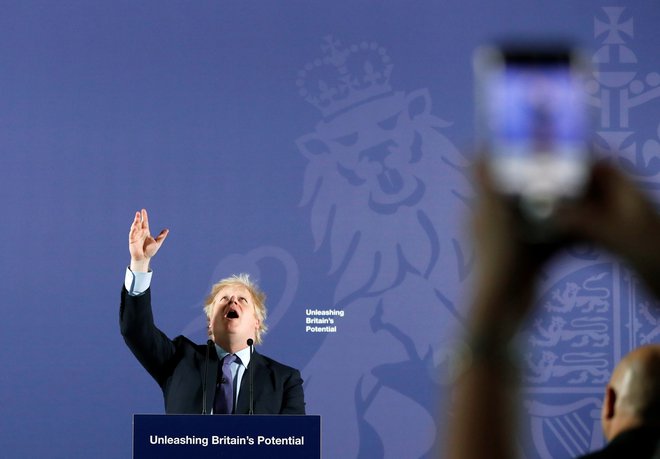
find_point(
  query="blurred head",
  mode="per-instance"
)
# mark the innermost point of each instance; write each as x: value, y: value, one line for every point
x: 236, y: 310
x: 632, y: 397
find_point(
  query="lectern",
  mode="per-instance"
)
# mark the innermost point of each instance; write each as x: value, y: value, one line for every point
x: 192, y: 436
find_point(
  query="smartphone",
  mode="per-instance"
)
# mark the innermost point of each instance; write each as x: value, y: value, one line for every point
x: 533, y: 120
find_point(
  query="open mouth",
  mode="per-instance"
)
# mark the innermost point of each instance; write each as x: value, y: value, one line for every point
x: 232, y: 314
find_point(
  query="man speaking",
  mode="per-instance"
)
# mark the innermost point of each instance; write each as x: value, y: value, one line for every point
x: 212, y: 378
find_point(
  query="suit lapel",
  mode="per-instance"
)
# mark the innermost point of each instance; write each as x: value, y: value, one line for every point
x: 211, y: 379
x: 261, y: 377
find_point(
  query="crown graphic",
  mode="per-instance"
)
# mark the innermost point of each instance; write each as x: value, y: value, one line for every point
x: 345, y: 76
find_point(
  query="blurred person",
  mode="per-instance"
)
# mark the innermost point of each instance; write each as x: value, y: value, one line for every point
x: 235, y: 311
x: 613, y: 214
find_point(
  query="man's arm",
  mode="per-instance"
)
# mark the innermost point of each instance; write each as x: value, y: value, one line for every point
x: 485, y: 394
x: 150, y: 346
x: 293, y: 398
x: 618, y: 216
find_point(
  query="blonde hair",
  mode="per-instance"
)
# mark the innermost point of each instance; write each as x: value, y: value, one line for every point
x: 257, y: 294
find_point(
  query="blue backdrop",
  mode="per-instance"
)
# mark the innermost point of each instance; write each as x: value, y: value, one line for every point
x: 320, y: 146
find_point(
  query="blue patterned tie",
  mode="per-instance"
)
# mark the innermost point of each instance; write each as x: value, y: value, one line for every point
x: 224, y: 391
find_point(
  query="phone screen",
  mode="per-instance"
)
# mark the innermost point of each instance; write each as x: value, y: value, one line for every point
x: 534, y: 120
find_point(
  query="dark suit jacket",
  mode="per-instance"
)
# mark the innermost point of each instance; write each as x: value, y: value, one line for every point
x: 178, y: 367
x: 639, y: 443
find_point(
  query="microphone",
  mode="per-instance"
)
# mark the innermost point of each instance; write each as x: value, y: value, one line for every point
x: 209, y: 343
x: 250, y: 343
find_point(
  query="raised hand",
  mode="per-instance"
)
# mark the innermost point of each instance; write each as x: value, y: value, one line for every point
x: 619, y: 216
x: 141, y: 244
x: 507, y: 264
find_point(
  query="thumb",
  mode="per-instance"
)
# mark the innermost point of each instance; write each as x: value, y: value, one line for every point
x: 161, y: 237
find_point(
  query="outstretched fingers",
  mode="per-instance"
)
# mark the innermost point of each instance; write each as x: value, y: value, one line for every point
x: 145, y: 219
x: 136, y: 226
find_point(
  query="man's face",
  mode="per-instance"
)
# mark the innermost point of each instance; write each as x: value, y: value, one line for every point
x: 233, y: 318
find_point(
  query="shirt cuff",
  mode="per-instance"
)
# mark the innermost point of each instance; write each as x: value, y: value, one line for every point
x: 137, y: 283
